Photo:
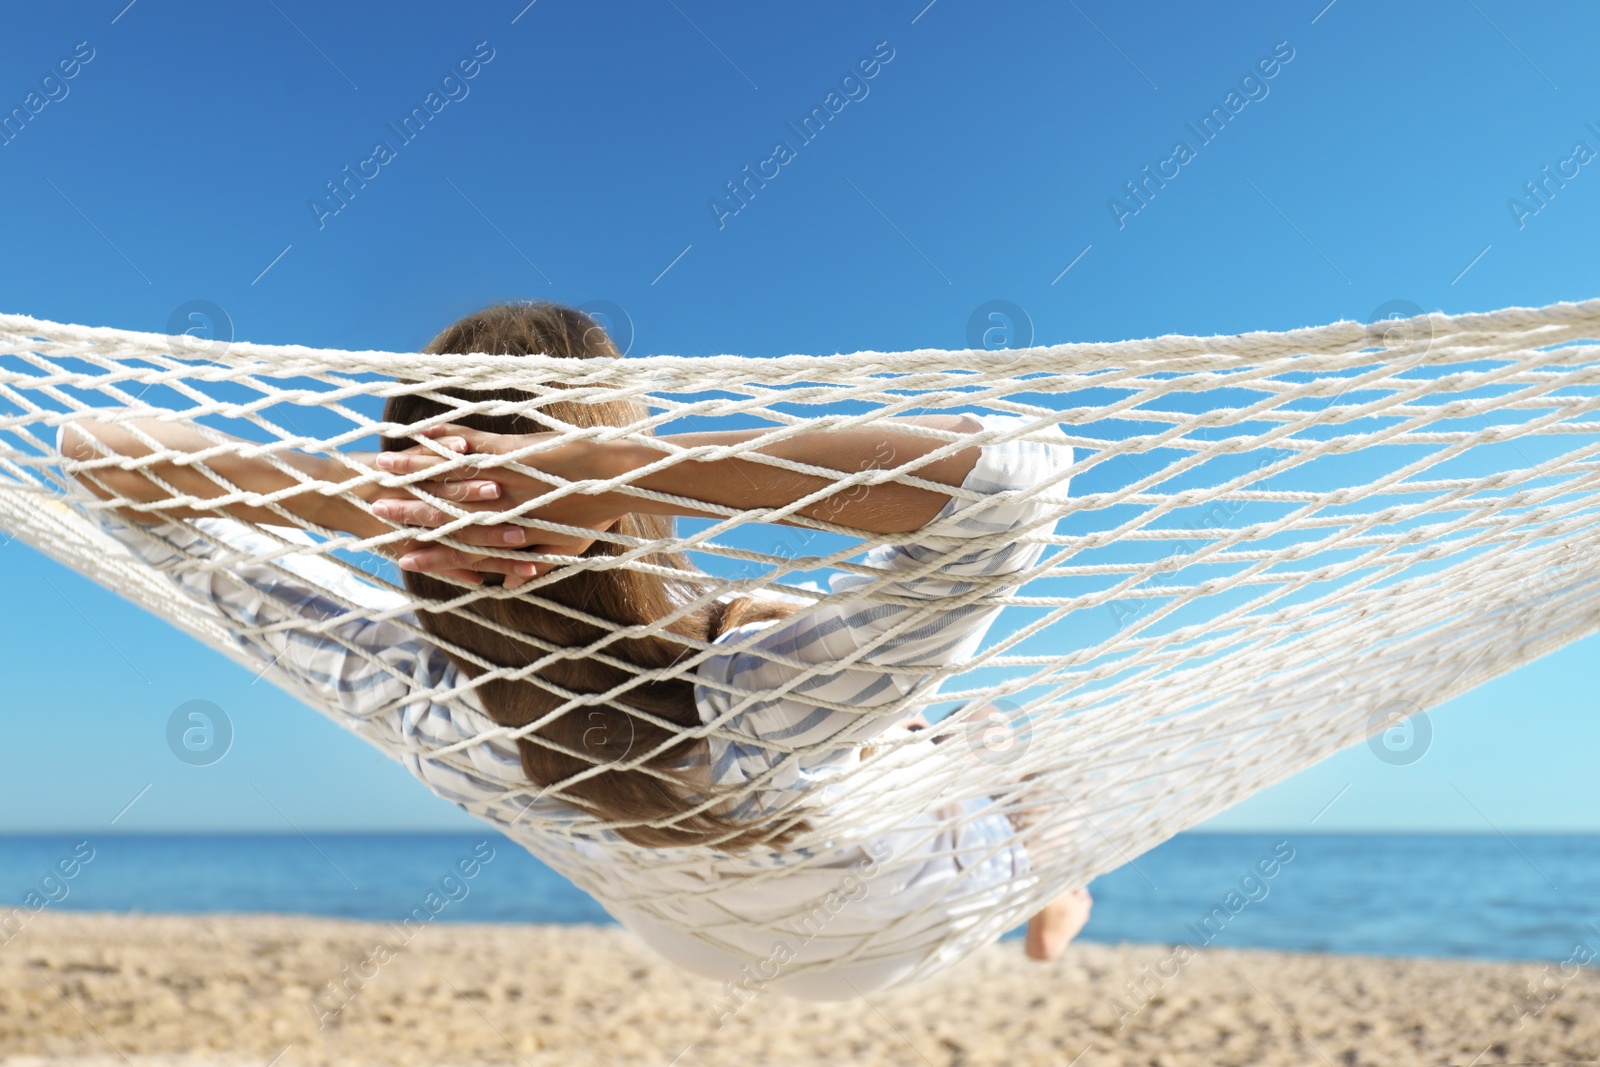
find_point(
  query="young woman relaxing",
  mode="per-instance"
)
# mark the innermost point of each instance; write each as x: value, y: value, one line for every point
x: 721, y: 878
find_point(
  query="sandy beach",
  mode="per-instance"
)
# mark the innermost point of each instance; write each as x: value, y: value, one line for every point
x: 234, y: 990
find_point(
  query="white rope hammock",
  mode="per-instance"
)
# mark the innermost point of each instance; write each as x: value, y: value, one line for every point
x: 1274, y: 544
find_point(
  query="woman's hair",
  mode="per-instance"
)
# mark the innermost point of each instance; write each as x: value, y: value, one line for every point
x: 601, y: 733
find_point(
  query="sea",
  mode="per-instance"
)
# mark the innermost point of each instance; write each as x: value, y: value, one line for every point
x: 1517, y: 897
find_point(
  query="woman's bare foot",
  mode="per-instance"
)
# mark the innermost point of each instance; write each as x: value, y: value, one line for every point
x: 1051, y: 929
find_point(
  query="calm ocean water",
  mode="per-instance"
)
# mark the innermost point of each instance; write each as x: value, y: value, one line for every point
x: 1527, y: 897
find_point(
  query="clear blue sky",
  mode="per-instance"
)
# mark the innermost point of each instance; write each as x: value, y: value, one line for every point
x: 580, y: 162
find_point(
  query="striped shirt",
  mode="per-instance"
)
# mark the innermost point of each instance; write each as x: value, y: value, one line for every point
x: 793, y: 702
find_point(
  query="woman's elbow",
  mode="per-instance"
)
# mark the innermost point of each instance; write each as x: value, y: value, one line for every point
x: 78, y: 445
x: 74, y: 442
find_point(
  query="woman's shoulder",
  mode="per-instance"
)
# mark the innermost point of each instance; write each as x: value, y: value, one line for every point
x: 1030, y: 449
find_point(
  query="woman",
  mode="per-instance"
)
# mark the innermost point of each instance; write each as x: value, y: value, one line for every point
x: 686, y: 840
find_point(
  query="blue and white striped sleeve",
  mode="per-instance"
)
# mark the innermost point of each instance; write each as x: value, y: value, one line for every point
x: 307, y: 621
x: 886, y: 648
x: 303, y: 615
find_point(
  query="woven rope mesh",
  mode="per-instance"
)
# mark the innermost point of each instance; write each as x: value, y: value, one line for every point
x: 1266, y: 548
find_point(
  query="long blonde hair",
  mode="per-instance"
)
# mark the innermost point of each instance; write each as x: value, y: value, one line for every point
x: 632, y: 797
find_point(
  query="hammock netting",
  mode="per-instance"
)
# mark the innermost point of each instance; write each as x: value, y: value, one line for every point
x: 1273, y: 546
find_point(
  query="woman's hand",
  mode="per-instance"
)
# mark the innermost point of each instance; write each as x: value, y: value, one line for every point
x: 490, y: 486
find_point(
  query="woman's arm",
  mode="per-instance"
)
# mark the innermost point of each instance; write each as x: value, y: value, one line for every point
x: 331, y: 492
x: 309, y: 483
x: 741, y: 483
x: 798, y: 695
x: 733, y: 481
x: 347, y: 647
